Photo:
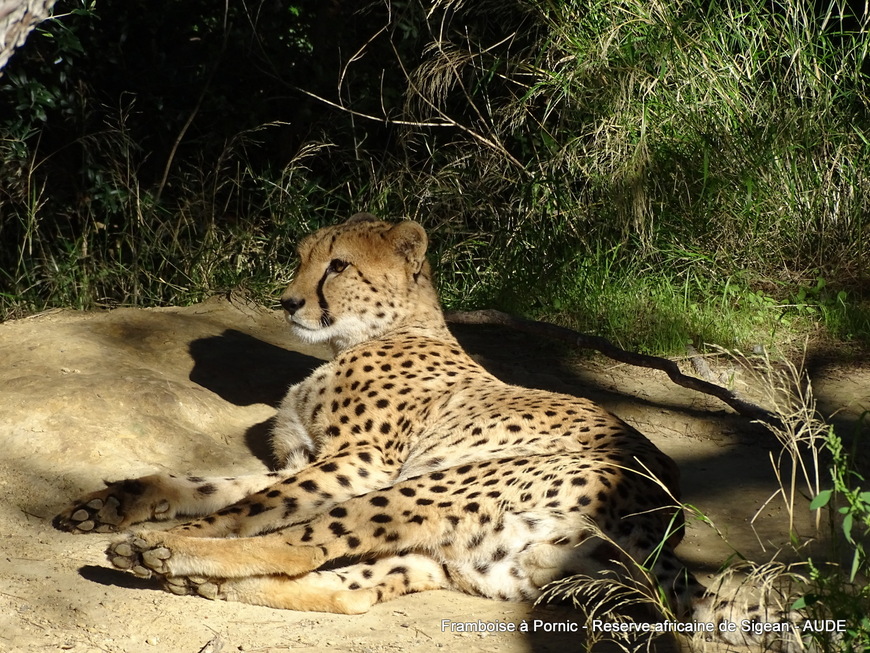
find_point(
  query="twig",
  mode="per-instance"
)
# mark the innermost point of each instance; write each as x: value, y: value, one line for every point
x: 171, y: 157
x: 444, y: 119
x: 604, y: 346
x: 190, y: 118
x: 383, y: 120
x: 214, y: 645
x: 12, y: 595
x: 494, y: 145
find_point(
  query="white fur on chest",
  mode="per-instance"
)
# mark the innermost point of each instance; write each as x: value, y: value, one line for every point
x: 294, y: 437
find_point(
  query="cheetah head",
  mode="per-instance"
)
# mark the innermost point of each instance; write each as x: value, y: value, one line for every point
x: 359, y: 280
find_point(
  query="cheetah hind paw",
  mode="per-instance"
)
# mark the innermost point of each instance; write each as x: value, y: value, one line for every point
x: 145, y: 560
x: 209, y: 588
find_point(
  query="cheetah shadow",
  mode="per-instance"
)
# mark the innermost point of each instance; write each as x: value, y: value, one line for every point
x: 117, y: 578
x: 244, y: 370
x: 536, y: 362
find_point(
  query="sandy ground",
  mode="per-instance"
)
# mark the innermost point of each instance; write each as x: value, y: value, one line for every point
x: 92, y: 396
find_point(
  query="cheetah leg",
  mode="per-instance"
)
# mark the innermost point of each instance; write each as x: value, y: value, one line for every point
x: 156, y: 498
x: 360, y: 526
x: 163, y: 553
x: 297, y: 498
x: 349, y: 590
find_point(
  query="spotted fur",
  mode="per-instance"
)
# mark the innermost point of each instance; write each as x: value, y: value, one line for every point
x: 405, y: 454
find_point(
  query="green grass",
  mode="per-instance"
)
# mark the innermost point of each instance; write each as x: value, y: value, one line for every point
x: 658, y: 306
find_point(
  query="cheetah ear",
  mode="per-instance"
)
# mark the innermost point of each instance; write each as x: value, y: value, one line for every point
x: 361, y: 217
x: 410, y: 241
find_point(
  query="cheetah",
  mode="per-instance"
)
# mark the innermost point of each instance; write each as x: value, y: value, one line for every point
x: 404, y: 466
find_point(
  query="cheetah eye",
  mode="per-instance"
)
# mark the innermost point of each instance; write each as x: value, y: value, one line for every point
x: 337, y: 266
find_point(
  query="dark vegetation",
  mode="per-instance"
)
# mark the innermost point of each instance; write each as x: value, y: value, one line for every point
x: 654, y: 172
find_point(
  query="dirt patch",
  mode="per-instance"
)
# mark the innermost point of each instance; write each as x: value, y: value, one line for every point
x: 93, y: 396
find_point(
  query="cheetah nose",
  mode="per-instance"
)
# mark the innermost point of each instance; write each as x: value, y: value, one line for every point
x: 292, y: 304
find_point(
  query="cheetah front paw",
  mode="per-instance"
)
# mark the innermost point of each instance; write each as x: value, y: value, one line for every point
x: 97, y: 514
x: 138, y: 555
x: 112, y: 509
